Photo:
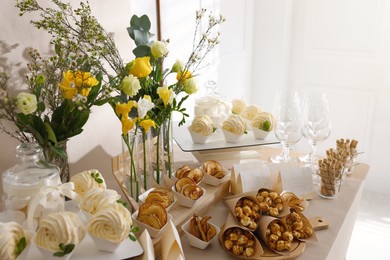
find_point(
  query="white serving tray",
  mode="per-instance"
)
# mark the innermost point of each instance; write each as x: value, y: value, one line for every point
x: 217, y: 140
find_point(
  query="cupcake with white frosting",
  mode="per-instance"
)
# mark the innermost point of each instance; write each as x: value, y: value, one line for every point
x: 86, y: 180
x: 11, y: 244
x: 238, y: 106
x: 233, y: 128
x: 262, y: 125
x: 201, y: 128
x: 110, y: 226
x: 59, y: 234
x: 96, y: 198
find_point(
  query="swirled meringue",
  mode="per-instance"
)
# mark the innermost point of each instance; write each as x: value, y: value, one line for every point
x: 263, y: 117
x: 234, y: 124
x: 112, y: 222
x: 96, y: 198
x: 83, y: 181
x: 60, y: 227
x: 202, y: 125
x: 10, y: 235
x: 251, y: 112
x: 238, y: 106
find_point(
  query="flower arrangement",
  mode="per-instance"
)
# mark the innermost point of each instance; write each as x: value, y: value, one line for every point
x: 143, y: 94
x: 56, y: 104
x: 145, y: 87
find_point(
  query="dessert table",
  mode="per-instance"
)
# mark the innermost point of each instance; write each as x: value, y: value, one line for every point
x: 340, y: 212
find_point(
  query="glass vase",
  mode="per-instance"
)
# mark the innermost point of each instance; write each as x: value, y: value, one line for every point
x: 58, y: 156
x: 163, y: 152
x: 30, y: 187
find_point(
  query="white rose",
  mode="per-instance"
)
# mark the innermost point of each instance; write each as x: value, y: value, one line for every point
x: 26, y: 103
x: 159, y: 49
x: 190, y: 85
x: 130, y: 85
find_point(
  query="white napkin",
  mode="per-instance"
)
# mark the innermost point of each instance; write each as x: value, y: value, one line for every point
x: 171, y: 248
x: 236, y: 184
x: 147, y: 244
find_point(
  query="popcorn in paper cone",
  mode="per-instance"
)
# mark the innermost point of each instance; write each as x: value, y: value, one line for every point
x: 239, y: 242
x: 274, y: 233
x: 271, y: 203
x: 299, y: 226
x: 246, y: 211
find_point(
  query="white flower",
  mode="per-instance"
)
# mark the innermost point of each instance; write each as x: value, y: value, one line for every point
x: 190, y: 85
x: 26, y: 103
x: 130, y: 85
x: 159, y: 49
x: 178, y: 66
x: 144, y: 105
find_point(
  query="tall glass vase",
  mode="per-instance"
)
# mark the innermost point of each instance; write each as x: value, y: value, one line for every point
x: 58, y: 155
x: 144, y: 159
x: 130, y: 160
x: 163, y: 151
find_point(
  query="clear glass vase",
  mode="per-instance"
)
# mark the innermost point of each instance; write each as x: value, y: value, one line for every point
x: 30, y: 187
x: 163, y: 152
x: 58, y: 155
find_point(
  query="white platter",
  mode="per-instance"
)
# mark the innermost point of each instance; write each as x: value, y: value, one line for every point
x: 217, y: 140
x: 87, y: 250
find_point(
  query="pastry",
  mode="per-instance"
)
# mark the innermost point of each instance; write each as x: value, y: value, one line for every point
x: 264, y: 121
x: 96, y: 198
x: 233, y: 128
x: 59, y: 228
x: 238, y: 106
x: 11, y: 236
x: 202, y: 125
x: 251, y: 112
x: 86, y: 180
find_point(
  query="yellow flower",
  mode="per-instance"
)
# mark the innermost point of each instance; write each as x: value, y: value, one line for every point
x: 124, y: 108
x: 147, y: 124
x: 141, y: 67
x: 165, y: 94
x: 181, y: 77
x: 78, y: 82
x: 127, y: 124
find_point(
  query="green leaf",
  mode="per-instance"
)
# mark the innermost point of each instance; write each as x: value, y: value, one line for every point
x: 142, y: 50
x: 132, y: 238
x: 144, y: 23
x: 65, y: 249
x: 266, y: 126
x: 21, y: 245
x: 50, y: 133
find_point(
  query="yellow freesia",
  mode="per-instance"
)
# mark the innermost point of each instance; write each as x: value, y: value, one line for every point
x: 78, y: 82
x: 165, y: 94
x: 147, y: 97
x: 141, y: 67
x: 123, y: 109
x: 181, y: 77
x: 127, y: 124
x: 147, y: 124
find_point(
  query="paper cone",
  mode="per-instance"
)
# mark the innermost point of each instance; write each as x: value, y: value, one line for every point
x: 171, y: 247
x: 147, y: 244
x: 284, y: 212
x: 294, y: 202
x: 306, y: 224
x: 231, y: 223
x: 231, y: 204
x: 262, y: 232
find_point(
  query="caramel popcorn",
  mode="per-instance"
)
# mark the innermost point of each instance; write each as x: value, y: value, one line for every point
x: 278, y: 237
x: 247, y: 213
x: 296, y: 226
x: 271, y: 203
x: 239, y: 242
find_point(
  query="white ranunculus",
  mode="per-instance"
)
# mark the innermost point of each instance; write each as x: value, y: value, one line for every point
x: 130, y: 85
x: 144, y: 105
x: 26, y: 103
x: 159, y: 49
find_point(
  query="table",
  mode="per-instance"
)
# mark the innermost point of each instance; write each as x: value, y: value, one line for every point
x: 341, y: 214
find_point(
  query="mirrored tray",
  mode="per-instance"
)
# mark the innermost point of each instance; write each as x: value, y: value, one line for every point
x: 217, y: 140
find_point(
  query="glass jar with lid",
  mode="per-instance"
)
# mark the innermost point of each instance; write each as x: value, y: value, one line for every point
x: 29, y: 187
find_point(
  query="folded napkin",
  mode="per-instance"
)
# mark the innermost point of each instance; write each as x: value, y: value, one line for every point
x: 249, y: 176
x: 171, y: 248
x: 147, y: 244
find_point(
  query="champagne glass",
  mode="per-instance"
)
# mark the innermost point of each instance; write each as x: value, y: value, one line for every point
x: 288, y: 123
x: 316, y: 124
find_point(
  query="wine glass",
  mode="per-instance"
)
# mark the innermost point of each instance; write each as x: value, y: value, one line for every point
x: 288, y: 123
x: 316, y: 124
